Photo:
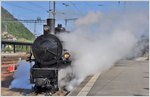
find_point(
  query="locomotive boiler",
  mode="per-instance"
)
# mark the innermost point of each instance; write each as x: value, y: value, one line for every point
x: 49, y: 56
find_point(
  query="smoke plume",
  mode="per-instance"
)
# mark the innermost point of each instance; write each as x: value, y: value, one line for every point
x: 102, y: 39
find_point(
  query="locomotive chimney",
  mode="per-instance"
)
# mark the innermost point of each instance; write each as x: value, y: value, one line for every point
x: 50, y: 27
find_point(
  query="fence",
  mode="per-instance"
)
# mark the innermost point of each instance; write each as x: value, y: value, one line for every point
x: 14, y: 46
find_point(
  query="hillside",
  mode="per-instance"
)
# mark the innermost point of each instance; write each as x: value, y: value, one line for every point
x: 14, y: 29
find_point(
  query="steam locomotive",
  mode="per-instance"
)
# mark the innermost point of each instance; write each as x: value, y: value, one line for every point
x: 49, y: 56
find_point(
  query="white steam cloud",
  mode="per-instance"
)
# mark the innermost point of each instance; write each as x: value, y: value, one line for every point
x: 22, y: 76
x: 102, y: 39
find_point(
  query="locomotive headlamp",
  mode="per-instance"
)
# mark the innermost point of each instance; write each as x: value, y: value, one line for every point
x: 66, y: 55
x: 46, y: 28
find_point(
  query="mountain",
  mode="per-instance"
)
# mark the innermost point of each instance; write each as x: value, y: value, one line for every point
x: 14, y: 29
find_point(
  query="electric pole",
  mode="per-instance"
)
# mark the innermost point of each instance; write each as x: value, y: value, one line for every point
x: 54, y: 9
x: 49, y: 11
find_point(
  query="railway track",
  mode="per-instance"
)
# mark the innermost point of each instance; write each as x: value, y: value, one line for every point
x: 10, y: 60
x: 22, y: 92
x: 58, y: 93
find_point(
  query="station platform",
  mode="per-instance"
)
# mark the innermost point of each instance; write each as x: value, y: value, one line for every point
x: 126, y: 78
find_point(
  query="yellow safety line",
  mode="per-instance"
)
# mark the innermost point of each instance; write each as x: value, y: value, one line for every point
x: 85, y: 90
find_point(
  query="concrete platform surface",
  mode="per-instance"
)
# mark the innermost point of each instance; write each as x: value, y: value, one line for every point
x: 126, y: 78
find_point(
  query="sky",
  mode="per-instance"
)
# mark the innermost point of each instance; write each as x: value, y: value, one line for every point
x: 30, y: 10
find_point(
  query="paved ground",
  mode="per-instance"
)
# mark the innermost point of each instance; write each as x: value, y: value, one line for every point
x: 126, y: 78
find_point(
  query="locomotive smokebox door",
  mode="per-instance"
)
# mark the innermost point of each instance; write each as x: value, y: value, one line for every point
x: 47, y: 50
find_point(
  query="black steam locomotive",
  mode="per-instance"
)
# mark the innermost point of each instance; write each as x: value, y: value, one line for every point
x: 49, y: 56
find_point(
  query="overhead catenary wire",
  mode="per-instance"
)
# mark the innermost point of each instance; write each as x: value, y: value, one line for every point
x: 33, y: 11
x: 38, y: 6
x: 78, y: 10
x: 25, y: 13
x: 87, y: 4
